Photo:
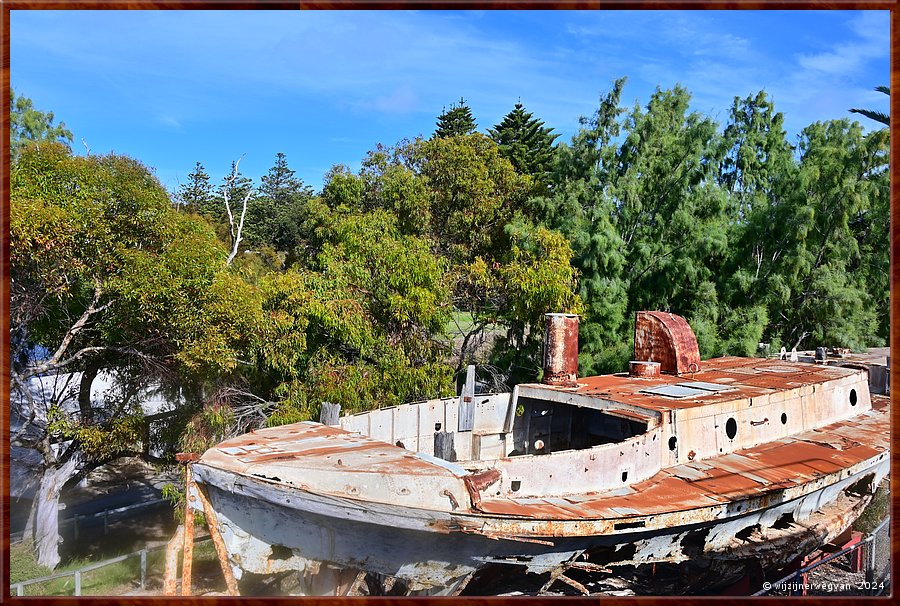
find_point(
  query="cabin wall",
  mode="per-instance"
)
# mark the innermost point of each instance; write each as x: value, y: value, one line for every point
x: 413, y: 426
x: 594, y: 469
x: 703, y: 431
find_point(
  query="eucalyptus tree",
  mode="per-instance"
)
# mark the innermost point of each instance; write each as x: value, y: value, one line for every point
x: 581, y: 206
x: 106, y: 277
x: 29, y: 124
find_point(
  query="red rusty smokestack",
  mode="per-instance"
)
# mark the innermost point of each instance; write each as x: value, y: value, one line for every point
x: 668, y: 339
x: 561, y: 349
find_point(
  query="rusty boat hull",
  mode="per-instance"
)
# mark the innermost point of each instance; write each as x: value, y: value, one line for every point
x: 742, y: 460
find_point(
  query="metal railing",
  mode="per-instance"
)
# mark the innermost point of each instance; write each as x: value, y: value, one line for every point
x: 864, y: 569
x: 19, y: 588
x: 75, y: 520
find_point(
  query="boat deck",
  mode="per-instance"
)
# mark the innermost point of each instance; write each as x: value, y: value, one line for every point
x: 738, y: 377
x: 329, y: 460
x: 782, y: 464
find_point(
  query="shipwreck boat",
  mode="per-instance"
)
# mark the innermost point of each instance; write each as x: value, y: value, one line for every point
x: 701, y: 464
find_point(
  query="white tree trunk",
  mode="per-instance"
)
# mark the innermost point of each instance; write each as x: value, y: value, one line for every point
x: 46, y: 521
x: 29, y: 523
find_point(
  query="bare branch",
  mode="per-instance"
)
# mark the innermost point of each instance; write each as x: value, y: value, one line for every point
x: 235, y: 232
x: 48, y: 366
x: 237, y: 239
x: 54, y: 361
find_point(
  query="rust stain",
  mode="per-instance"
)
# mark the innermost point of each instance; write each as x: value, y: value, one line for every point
x: 777, y: 465
x: 561, y: 349
x: 667, y: 339
x: 643, y: 369
x: 740, y: 375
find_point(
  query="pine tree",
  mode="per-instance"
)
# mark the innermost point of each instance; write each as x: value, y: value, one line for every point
x: 279, y: 184
x: 277, y: 215
x: 196, y: 195
x: 526, y: 142
x: 456, y: 121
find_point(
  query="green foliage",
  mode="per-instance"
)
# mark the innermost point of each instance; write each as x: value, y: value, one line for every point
x: 731, y: 230
x: 196, y: 196
x: 276, y: 215
x: 473, y: 193
x: 107, y: 272
x: 29, y: 124
x: 459, y: 197
x: 206, y: 428
x: 525, y: 142
x: 359, y: 327
x: 877, y: 116
x: 455, y: 121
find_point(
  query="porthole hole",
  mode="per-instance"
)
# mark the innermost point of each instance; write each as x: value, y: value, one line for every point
x: 515, y: 485
x: 852, y: 397
x: 673, y: 441
x: 731, y: 428
x: 784, y: 418
x: 437, y: 426
x: 624, y: 476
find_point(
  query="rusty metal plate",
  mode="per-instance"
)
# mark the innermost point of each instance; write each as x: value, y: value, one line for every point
x: 750, y: 472
x: 667, y: 339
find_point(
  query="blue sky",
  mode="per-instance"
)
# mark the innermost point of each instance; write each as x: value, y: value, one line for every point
x: 171, y: 88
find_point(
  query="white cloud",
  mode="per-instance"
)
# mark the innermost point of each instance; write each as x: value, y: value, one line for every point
x: 402, y: 100
x: 170, y: 121
x: 871, y: 41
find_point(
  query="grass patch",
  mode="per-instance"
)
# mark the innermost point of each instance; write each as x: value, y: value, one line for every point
x: 876, y: 511
x: 460, y: 323
x: 23, y: 565
x: 114, y: 579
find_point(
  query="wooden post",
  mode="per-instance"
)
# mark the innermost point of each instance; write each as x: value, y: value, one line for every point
x: 187, y: 564
x: 187, y: 560
x: 78, y: 583
x: 20, y: 590
x: 170, y: 576
x: 443, y: 446
x: 219, y: 544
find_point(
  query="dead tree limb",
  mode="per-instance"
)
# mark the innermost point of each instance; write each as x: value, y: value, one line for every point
x: 235, y: 231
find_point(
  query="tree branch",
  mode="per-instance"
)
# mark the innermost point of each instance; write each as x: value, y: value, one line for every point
x: 235, y: 235
x: 54, y: 362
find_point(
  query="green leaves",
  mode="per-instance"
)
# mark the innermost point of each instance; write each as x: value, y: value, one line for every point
x: 359, y: 328
x: 28, y: 124
x: 732, y: 230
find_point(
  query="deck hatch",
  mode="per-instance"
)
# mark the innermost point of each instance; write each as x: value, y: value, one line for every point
x: 715, y: 387
x: 675, y: 391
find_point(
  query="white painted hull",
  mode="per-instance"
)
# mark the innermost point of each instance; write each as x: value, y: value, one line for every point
x: 259, y: 521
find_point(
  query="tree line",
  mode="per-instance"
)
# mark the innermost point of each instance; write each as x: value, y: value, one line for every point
x: 256, y: 311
